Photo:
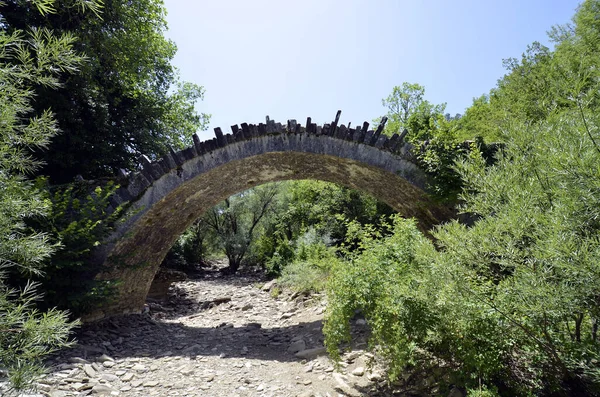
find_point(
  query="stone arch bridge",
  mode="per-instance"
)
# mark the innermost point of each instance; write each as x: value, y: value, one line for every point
x: 166, y: 196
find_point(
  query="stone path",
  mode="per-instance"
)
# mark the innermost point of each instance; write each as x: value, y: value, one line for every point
x: 215, y: 336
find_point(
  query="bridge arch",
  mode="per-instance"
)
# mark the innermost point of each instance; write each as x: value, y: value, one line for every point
x: 166, y: 196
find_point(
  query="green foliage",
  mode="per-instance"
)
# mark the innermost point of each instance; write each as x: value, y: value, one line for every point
x: 81, y: 218
x: 434, y: 135
x: 380, y: 281
x: 127, y: 99
x: 269, y: 225
x: 407, y: 109
x: 235, y: 221
x: 481, y: 120
x: 277, y: 252
x: 482, y: 392
x: 193, y: 248
x: 509, y: 305
x: 319, y: 208
x: 532, y: 258
x: 27, y: 335
x: 27, y: 58
x: 309, y: 264
x: 401, y: 104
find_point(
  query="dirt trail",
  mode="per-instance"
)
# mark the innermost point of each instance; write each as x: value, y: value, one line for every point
x: 215, y: 336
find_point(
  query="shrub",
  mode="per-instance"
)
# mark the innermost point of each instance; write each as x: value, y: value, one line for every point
x: 81, y: 218
x: 309, y: 269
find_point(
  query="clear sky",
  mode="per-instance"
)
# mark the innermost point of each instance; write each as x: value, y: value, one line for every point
x: 293, y: 59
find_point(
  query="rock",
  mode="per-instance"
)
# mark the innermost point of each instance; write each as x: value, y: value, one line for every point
x: 104, y: 357
x: 193, y: 349
x: 78, y: 360
x: 175, y: 351
x: 139, y: 368
x: 456, y: 392
x: 43, y: 387
x: 110, y: 377
x: 78, y: 386
x: 102, y: 390
x: 209, y: 378
x: 345, y: 387
x: 150, y: 383
x: 297, y: 346
x: 267, y: 287
x: 309, y: 354
x: 353, y: 355
x: 358, y: 371
x: 89, y: 370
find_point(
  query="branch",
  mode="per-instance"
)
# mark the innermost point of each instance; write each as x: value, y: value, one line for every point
x: 587, y: 129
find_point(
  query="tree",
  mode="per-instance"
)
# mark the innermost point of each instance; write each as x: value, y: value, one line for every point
x: 401, y: 104
x: 315, y: 211
x: 408, y: 110
x: 236, y: 219
x: 509, y: 304
x: 126, y: 101
x: 28, y: 58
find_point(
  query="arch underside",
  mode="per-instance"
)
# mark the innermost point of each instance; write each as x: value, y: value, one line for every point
x: 171, y: 207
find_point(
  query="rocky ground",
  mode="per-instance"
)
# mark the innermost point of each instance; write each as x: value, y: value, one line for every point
x: 214, y: 336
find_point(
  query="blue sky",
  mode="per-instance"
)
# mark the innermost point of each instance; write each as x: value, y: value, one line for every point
x: 293, y: 59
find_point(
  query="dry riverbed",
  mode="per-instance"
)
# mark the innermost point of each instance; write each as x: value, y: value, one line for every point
x: 214, y: 336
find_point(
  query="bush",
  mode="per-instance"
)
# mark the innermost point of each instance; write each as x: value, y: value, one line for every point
x: 309, y: 269
x: 80, y: 220
x: 510, y: 302
x: 381, y: 281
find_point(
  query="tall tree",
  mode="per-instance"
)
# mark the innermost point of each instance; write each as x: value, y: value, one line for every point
x: 27, y: 58
x: 402, y: 103
x: 235, y: 221
x: 126, y: 101
x: 407, y: 109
